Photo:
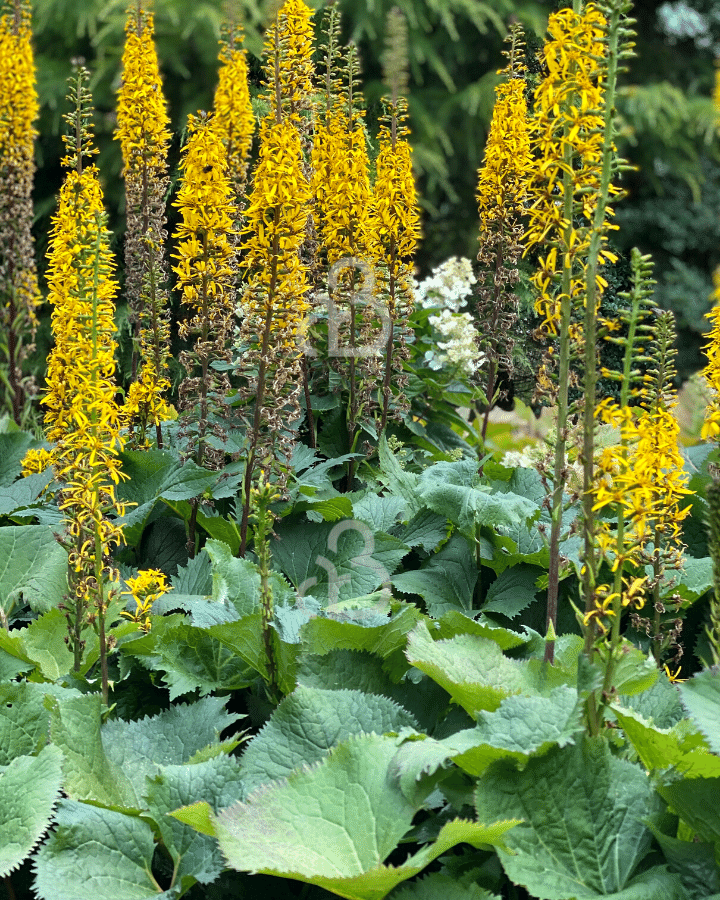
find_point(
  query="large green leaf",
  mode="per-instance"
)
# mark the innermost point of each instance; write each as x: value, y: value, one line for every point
x: 681, y: 747
x: 660, y: 704
x: 447, y: 488
x: 454, y: 623
x: 379, y: 634
x: 153, y: 474
x: 446, y: 582
x: 32, y: 565
x: 701, y: 698
x: 195, y: 856
x: 471, y: 668
x: 401, y: 483
x: 378, y: 513
x: 441, y: 887
x: 220, y: 588
x: 108, y: 763
x: 198, y: 658
x: 695, y: 577
x: 94, y: 852
x: 171, y: 738
x: 334, y: 825
x: 695, y: 801
x: 426, y: 530
x: 309, y: 723
x: 336, y: 562
x: 88, y: 774
x: 513, y: 590
x: 43, y: 641
x: 16, y: 498
x: 694, y: 861
x: 585, y: 813
x: 243, y: 640
x: 361, y: 671
x: 13, y: 447
x: 29, y: 789
x: 24, y: 720
x: 522, y: 727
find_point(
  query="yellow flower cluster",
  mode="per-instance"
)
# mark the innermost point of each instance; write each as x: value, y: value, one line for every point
x: 19, y: 294
x: 233, y: 118
x: 82, y: 290
x: 276, y: 217
x: 18, y: 93
x: 205, y: 254
x: 502, y: 180
x: 289, y: 67
x: 143, y: 122
x: 711, y: 426
x: 643, y: 479
x: 568, y: 140
x: 82, y: 418
x: 145, y: 588
x: 144, y: 135
x: 341, y: 186
x: 395, y: 218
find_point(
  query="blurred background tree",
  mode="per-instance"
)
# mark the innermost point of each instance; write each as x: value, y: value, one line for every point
x: 670, y: 122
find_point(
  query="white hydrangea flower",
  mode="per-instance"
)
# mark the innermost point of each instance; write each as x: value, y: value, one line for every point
x: 459, y: 345
x: 448, y: 286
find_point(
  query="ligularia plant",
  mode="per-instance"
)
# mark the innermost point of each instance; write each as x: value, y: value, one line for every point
x: 464, y: 673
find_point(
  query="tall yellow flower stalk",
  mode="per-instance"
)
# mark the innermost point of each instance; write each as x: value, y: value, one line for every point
x: 206, y: 279
x: 642, y: 479
x: 288, y: 66
x: 82, y: 418
x: 502, y: 198
x: 396, y: 221
x: 144, y: 135
x: 274, y: 305
x: 711, y: 426
x: 19, y: 295
x: 569, y: 192
x: 233, y: 117
x: 343, y: 219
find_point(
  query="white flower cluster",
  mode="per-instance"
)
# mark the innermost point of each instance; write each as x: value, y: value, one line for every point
x: 448, y: 286
x: 459, y: 345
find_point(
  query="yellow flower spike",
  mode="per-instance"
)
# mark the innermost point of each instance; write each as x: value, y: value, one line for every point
x: 395, y: 216
x: 288, y: 68
x: 711, y: 426
x: 276, y: 216
x: 206, y: 278
x: 144, y: 135
x: 21, y: 297
x: 233, y: 118
x: 81, y: 416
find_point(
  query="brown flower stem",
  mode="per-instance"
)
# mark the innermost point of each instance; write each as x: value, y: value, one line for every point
x: 192, y: 526
x: 590, y: 325
x: 390, y: 341
x: 353, y: 399
x: 560, y: 465
x: 308, y: 404
x: 260, y: 392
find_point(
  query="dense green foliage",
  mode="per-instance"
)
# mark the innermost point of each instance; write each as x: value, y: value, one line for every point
x: 433, y: 715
